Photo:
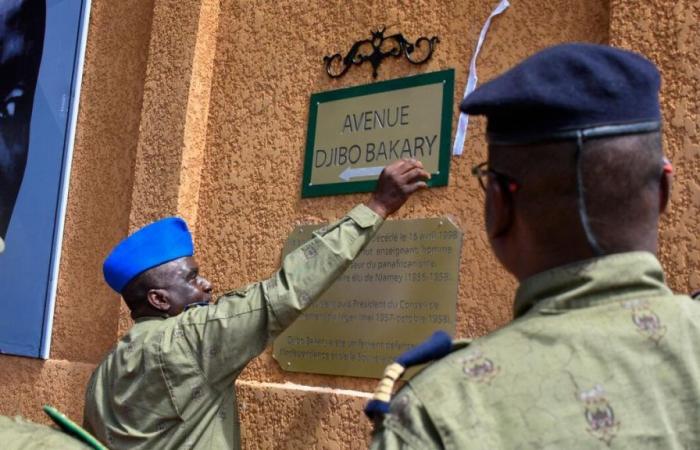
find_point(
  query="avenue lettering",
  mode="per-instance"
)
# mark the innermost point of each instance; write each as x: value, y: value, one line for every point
x: 370, y: 120
x: 377, y: 152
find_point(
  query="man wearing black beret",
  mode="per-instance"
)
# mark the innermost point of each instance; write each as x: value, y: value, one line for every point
x: 601, y: 353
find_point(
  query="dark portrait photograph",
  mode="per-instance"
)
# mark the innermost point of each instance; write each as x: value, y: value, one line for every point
x: 41, y: 47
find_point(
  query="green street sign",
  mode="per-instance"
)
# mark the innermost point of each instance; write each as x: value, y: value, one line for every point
x: 355, y: 132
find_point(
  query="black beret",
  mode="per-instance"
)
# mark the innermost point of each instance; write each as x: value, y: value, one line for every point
x: 566, y: 88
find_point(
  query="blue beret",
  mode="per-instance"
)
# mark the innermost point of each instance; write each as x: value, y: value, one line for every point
x: 151, y: 246
x: 570, y: 87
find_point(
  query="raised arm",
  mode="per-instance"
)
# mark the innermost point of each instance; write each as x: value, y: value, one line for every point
x: 227, y: 335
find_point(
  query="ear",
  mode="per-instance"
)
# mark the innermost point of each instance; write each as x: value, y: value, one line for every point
x: 499, y: 209
x: 158, y: 298
x: 665, y: 190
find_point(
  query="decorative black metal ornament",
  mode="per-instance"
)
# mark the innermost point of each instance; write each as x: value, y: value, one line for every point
x: 379, y: 47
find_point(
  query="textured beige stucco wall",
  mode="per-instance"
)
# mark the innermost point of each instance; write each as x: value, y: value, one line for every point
x: 170, y: 149
x: 99, y: 196
x: 301, y: 417
x: 199, y: 108
x: 28, y: 384
x: 669, y: 33
x: 268, y: 61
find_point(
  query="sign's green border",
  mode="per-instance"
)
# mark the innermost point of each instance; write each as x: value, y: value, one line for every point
x: 446, y: 77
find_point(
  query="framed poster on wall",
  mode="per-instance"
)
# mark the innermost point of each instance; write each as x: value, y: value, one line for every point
x: 42, y: 46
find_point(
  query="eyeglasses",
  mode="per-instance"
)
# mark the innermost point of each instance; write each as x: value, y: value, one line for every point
x: 482, y: 171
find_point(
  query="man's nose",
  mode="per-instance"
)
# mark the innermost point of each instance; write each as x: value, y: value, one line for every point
x: 206, y: 285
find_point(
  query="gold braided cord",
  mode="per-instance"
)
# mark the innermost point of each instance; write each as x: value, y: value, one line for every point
x: 386, y: 385
x: 394, y: 371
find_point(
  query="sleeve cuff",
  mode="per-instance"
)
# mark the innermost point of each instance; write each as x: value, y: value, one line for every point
x: 364, y: 216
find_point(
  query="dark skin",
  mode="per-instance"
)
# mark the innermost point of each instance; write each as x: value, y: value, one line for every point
x: 536, y: 228
x: 166, y: 290
x: 174, y: 285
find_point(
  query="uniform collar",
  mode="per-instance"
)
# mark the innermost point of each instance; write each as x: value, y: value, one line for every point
x: 148, y: 318
x: 592, y: 281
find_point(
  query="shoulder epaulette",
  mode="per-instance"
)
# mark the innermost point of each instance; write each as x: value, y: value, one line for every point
x: 437, y: 346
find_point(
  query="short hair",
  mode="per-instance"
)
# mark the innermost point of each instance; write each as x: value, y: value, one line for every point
x: 620, y: 174
x: 621, y: 178
x: 136, y: 290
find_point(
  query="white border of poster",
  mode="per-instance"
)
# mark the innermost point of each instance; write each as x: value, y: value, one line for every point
x: 65, y: 178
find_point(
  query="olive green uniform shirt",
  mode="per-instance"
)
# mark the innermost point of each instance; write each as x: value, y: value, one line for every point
x: 168, y: 383
x: 19, y: 434
x: 601, y: 355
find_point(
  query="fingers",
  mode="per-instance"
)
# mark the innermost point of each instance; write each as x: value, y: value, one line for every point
x: 406, y: 171
x: 406, y: 165
x: 415, y: 173
x: 413, y: 187
x: 397, y: 182
x: 402, y: 166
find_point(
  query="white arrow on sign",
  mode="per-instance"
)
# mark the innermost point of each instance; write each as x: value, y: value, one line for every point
x: 360, y: 172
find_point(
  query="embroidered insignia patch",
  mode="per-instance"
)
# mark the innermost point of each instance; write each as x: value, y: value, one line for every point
x: 303, y: 296
x: 196, y: 392
x: 477, y: 367
x: 309, y: 250
x: 600, y: 416
x: 646, y: 320
x: 271, y: 283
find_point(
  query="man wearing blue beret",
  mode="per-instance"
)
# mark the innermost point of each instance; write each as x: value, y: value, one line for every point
x: 168, y: 383
x: 601, y: 353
